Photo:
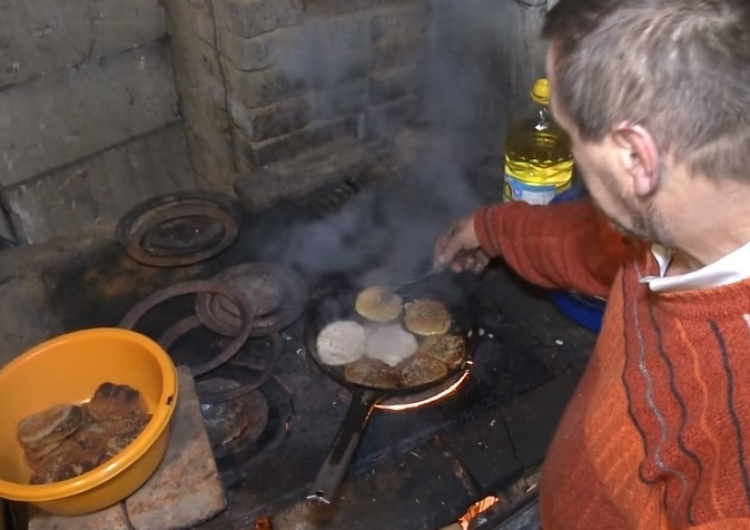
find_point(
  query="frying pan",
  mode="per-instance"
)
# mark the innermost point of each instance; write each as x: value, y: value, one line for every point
x: 340, y: 306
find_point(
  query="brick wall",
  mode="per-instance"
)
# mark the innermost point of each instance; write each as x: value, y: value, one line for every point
x: 89, y: 121
x: 262, y: 81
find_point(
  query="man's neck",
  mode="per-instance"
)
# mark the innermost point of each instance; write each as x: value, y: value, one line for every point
x: 713, y: 221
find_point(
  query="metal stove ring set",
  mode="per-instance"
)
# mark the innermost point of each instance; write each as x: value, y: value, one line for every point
x: 186, y: 228
x: 190, y: 227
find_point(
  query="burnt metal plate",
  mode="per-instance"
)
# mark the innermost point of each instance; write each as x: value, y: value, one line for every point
x: 283, y: 290
x: 179, y: 229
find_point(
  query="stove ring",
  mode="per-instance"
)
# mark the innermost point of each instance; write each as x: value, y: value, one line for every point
x: 220, y: 396
x: 237, y: 466
x: 293, y: 294
x: 203, y: 224
x: 181, y: 289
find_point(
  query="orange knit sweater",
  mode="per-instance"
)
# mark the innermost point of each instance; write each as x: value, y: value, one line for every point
x: 657, y: 435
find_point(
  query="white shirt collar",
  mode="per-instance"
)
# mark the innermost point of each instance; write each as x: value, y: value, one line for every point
x: 731, y: 268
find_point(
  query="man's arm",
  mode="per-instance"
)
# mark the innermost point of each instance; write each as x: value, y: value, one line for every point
x: 567, y: 246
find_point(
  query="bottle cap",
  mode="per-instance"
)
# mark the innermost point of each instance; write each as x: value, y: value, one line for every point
x: 540, y: 93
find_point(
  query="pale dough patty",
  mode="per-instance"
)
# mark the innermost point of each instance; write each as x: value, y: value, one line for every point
x: 391, y: 344
x: 341, y: 342
x: 378, y: 304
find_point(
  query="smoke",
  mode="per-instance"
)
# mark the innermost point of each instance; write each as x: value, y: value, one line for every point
x: 388, y: 233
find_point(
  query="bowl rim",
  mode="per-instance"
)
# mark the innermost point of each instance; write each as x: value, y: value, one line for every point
x: 160, y: 418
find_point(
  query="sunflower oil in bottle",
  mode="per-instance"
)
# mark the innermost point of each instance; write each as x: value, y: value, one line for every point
x: 538, y: 160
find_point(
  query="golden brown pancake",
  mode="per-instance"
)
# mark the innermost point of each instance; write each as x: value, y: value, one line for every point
x: 371, y: 372
x: 422, y: 369
x: 341, y: 342
x: 427, y: 317
x: 67, y: 440
x: 378, y: 304
x: 448, y: 349
x: 113, y: 402
x: 37, y: 432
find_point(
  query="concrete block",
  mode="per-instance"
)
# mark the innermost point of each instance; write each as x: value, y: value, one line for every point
x: 382, y: 121
x: 7, y: 232
x: 203, y: 105
x: 212, y: 159
x: 336, y: 7
x: 46, y: 36
x: 27, y: 316
x: 272, y: 121
x: 389, y: 85
x: 399, y: 23
x: 398, y: 54
x: 261, y: 88
x: 259, y: 154
x: 193, y: 57
x: 248, y: 18
x: 192, y: 18
x: 57, y: 119
x: 199, y: 79
x: 329, y: 51
x: 122, y: 25
x: 185, y: 490
x: 113, y: 518
x: 258, y: 52
x: 101, y: 188
x: 260, y: 189
x: 344, y: 100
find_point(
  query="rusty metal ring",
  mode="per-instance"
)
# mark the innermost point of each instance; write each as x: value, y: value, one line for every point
x: 135, y: 226
x: 201, y: 286
x: 175, y: 331
x: 126, y: 222
x: 168, y: 212
x: 293, y: 301
x: 275, y: 352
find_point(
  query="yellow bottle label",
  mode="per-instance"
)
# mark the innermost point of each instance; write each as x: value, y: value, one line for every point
x: 539, y: 192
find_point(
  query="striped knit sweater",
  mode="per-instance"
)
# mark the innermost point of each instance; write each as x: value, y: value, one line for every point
x: 657, y: 435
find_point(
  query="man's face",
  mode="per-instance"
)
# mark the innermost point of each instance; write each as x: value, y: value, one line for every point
x: 610, y: 186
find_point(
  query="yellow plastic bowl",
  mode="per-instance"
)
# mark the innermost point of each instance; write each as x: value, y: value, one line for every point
x: 68, y: 369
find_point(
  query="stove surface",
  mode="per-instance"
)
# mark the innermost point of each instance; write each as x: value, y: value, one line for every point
x: 413, y: 469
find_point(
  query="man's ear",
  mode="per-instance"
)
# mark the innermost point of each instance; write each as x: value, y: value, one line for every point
x: 639, y: 157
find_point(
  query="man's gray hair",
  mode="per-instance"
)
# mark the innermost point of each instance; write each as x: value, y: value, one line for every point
x: 679, y: 68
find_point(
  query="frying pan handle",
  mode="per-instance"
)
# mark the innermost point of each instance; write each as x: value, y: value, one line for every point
x: 334, y: 467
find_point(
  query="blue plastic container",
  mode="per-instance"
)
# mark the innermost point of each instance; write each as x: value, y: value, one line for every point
x: 585, y: 311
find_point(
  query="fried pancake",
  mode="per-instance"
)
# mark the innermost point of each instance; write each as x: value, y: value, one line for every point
x: 427, y: 317
x: 341, y: 342
x: 37, y: 432
x: 65, y: 441
x: 371, y: 372
x: 421, y: 370
x: 390, y: 344
x: 378, y: 304
x: 448, y: 349
x: 113, y: 402
x: 67, y: 461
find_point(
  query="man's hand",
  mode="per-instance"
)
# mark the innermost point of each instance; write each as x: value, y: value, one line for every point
x: 459, y: 248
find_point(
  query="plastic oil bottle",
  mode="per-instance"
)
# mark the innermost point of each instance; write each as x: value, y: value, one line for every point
x: 538, y: 161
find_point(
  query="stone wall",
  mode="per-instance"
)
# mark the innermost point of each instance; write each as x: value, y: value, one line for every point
x: 263, y: 81
x: 89, y: 121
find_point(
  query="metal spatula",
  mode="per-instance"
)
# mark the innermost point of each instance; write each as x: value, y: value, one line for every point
x: 411, y: 281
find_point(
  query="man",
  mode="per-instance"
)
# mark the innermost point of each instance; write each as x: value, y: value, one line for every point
x: 655, y: 95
